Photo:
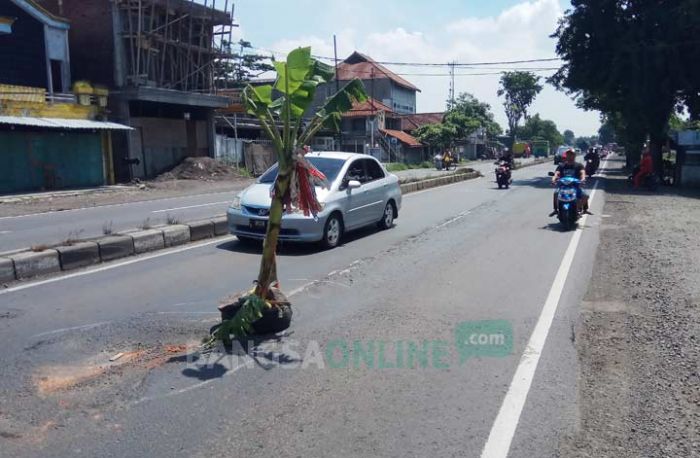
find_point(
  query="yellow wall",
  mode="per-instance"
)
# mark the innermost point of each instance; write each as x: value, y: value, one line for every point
x: 31, y: 101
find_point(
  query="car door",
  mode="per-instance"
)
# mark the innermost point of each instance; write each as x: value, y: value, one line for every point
x: 355, y: 199
x: 376, y: 187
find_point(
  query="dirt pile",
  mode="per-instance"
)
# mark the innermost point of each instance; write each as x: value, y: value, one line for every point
x: 200, y: 168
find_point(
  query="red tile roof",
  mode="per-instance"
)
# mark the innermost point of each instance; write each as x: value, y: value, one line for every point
x: 403, y: 137
x: 411, y: 122
x: 363, y: 67
x: 367, y: 108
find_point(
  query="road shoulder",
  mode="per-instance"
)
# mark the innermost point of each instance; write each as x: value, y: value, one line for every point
x: 637, y: 332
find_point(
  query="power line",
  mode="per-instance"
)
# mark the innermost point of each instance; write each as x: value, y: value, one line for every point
x: 434, y: 64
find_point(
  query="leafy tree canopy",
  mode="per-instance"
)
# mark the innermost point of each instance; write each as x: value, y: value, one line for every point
x: 536, y: 128
x: 519, y: 89
x: 634, y: 60
x: 569, y: 137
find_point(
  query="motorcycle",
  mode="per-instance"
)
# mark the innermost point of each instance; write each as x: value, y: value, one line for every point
x: 591, y: 166
x: 568, y: 212
x: 503, y: 175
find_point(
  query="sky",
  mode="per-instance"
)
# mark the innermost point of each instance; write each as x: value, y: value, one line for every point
x: 436, y: 31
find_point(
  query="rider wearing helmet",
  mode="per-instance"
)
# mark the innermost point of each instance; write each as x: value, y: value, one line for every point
x: 571, y: 168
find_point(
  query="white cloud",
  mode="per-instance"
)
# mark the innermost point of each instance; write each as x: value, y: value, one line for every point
x: 518, y: 33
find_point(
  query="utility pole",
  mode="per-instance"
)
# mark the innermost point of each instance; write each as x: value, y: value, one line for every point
x: 451, y: 96
x: 337, y: 89
x: 372, y: 117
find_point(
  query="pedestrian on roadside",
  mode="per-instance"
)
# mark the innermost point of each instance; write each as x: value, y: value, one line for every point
x: 646, y: 167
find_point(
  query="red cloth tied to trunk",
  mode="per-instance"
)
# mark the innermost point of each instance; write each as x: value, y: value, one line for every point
x: 301, y: 194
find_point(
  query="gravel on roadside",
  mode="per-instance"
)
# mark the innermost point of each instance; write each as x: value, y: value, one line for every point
x: 638, y: 335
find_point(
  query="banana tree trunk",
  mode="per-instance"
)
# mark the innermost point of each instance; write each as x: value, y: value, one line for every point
x: 268, y: 264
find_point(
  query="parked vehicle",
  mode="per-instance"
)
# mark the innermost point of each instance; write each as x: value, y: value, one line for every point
x: 568, y: 212
x: 361, y: 193
x: 503, y: 174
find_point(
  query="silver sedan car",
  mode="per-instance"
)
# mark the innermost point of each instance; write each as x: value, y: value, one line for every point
x: 362, y: 193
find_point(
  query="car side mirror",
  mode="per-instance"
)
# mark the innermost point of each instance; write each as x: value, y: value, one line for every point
x: 551, y: 174
x: 354, y: 184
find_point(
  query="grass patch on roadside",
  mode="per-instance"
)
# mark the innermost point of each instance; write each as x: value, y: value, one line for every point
x: 400, y: 166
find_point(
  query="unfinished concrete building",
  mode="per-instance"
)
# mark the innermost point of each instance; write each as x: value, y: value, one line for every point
x: 158, y: 59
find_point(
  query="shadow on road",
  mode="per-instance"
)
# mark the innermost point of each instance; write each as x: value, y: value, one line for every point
x: 285, y: 248
x: 210, y: 365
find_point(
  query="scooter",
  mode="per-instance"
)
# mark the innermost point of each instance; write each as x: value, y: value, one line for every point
x: 568, y: 212
x: 591, y: 167
x: 503, y: 175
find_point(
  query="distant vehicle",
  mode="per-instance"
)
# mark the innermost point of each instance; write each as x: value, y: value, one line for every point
x: 519, y: 149
x: 558, y: 156
x: 540, y: 148
x: 361, y: 193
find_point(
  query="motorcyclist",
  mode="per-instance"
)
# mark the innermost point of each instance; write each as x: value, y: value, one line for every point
x: 507, y: 157
x: 592, y: 156
x: 571, y: 168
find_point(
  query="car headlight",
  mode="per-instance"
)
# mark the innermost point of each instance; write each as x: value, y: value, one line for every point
x: 236, y: 204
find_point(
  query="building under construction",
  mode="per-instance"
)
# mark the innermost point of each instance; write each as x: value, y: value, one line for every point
x: 158, y: 58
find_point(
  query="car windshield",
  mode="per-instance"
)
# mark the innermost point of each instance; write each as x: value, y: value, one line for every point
x: 328, y: 166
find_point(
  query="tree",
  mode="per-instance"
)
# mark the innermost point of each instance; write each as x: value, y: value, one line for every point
x: 466, y: 116
x: 569, y: 137
x: 632, y: 60
x: 241, y: 66
x: 606, y: 132
x: 283, y: 104
x: 469, y: 114
x: 520, y: 89
x: 536, y: 128
x: 439, y: 136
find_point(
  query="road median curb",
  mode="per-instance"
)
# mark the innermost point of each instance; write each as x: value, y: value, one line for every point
x: 78, y: 255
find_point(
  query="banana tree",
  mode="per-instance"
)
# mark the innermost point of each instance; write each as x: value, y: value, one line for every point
x: 280, y: 109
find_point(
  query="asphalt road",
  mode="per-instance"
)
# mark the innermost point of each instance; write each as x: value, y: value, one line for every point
x: 459, y: 254
x: 24, y: 231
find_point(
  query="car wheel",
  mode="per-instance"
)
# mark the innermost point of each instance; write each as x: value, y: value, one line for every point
x: 332, y: 232
x: 387, y: 220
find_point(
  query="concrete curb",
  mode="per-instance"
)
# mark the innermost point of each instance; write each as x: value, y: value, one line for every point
x: 115, y: 247
x: 78, y: 255
x: 199, y: 230
x: 147, y: 240
x: 177, y: 234
x: 7, y: 270
x: 407, y: 188
x: 28, y: 264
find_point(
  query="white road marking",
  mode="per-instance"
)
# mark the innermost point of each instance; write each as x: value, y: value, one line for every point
x: 5, y: 232
x: 74, y: 328
x: 115, y: 265
x: 452, y: 220
x: 506, y: 422
x: 191, y: 206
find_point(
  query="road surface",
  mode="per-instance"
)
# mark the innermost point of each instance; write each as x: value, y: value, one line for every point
x: 24, y: 231
x: 459, y: 255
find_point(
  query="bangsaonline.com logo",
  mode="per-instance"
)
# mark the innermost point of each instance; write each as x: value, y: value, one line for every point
x: 470, y: 339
